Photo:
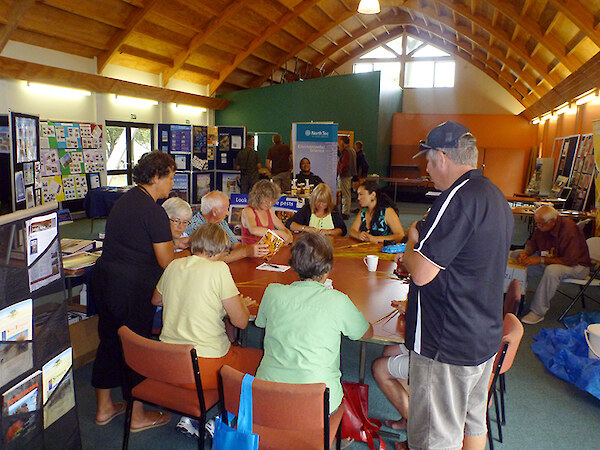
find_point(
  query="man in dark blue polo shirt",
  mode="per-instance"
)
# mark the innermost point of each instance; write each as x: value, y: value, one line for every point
x: 457, y: 259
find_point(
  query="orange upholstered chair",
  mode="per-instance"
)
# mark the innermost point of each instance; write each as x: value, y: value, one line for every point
x: 285, y: 415
x: 166, y: 367
x: 511, y: 338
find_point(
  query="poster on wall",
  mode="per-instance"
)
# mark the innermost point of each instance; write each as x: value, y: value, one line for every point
x: 4, y: 140
x: 181, y: 183
x: 16, y: 333
x: 230, y: 183
x: 202, y: 185
x: 26, y: 138
x: 181, y: 138
x: 318, y: 143
x: 43, y: 253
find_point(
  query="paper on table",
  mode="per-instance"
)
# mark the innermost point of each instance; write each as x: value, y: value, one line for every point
x: 273, y: 267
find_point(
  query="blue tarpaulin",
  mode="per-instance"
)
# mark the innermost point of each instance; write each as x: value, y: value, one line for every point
x: 565, y: 353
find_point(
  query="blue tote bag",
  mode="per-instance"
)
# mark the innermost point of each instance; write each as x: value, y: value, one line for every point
x: 242, y: 438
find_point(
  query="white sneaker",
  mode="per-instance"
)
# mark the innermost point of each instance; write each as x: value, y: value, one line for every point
x: 531, y: 318
x: 210, y: 427
x: 188, y: 426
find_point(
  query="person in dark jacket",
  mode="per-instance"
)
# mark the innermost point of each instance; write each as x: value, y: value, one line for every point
x: 319, y: 215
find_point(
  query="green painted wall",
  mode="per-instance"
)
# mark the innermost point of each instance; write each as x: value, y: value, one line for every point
x: 352, y: 101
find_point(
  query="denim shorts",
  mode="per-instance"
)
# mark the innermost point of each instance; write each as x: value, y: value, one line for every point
x: 446, y: 402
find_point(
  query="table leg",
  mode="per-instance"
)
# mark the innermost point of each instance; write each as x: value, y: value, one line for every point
x: 362, y: 361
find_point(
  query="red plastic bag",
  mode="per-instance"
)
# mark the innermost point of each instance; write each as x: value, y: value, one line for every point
x: 356, y: 423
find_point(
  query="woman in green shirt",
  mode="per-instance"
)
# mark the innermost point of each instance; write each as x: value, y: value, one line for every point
x: 304, y: 321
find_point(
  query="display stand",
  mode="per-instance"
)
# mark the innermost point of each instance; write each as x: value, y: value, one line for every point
x: 205, y: 158
x: 36, y: 378
x: 582, y: 176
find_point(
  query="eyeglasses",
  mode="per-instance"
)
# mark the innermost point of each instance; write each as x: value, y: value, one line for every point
x: 180, y: 222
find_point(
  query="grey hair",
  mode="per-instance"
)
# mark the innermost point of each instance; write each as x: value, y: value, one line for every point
x: 466, y: 153
x: 546, y: 213
x: 311, y: 256
x: 177, y: 207
x: 209, y: 239
x: 212, y: 200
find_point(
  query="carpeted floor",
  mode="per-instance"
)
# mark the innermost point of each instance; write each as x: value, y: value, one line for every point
x: 543, y: 412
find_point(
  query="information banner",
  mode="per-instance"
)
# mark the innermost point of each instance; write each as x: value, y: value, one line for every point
x: 317, y: 142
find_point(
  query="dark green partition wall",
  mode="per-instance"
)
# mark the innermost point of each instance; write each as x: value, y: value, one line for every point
x: 354, y: 101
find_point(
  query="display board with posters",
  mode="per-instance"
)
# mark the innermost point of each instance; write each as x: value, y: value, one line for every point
x: 36, y: 386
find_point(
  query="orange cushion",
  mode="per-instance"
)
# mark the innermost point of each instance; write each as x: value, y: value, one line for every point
x: 174, y: 397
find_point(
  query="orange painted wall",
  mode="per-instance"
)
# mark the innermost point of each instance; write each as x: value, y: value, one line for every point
x: 504, y: 142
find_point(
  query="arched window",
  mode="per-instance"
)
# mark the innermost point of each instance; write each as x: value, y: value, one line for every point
x: 409, y: 63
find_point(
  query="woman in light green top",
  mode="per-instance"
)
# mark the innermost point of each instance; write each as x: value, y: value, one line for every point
x: 320, y: 215
x: 304, y: 322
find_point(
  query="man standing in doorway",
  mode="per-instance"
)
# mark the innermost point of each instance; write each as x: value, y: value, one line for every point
x: 346, y: 171
x: 457, y: 259
x: 279, y: 162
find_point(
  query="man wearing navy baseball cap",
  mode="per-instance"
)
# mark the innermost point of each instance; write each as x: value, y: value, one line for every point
x: 457, y: 261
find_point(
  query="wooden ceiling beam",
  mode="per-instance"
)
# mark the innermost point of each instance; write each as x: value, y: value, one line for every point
x: 533, y: 29
x: 201, y: 38
x: 272, y: 29
x: 144, y: 54
x: 119, y: 37
x: 22, y: 70
x: 485, y: 24
x: 299, y: 48
x: 494, y: 51
x: 580, y: 16
x: 15, y: 13
x: 88, y: 9
x: 582, y: 80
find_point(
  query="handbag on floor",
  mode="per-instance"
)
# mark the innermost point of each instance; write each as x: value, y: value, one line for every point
x: 356, y: 423
x: 229, y: 438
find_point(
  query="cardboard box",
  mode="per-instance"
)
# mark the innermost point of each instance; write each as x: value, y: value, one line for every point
x: 84, y: 340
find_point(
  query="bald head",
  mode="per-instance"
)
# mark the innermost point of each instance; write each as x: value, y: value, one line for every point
x: 214, y: 206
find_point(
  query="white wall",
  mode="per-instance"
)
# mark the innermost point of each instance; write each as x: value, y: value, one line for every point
x: 97, y: 108
x: 474, y: 92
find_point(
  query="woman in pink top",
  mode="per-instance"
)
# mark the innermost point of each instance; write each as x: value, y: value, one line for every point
x: 258, y: 216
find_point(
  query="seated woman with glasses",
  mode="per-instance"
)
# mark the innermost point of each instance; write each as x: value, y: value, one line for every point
x: 304, y: 321
x: 258, y: 216
x: 180, y: 214
x: 319, y: 215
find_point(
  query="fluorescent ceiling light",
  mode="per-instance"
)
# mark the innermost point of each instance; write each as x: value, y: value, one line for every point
x: 563, y: 109
x: 189, y: 109
x: 134, y: 101
x: 586, y: 98
x: 48, y: 89
x: 369, y: 7
x: 535, y: 121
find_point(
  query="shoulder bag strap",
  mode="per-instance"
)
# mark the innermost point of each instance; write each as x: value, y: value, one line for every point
x: 244, y: 423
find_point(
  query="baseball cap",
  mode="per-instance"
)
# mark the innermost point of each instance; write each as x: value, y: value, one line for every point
x: 445, y: 135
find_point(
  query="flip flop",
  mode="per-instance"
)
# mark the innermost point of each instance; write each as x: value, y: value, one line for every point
x: 120, y: 408
x: 393, y: 424
x: 163, y: 419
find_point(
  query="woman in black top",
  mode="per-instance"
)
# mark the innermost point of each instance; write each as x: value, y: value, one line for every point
x: 320, y: 215
x: 137, y: 247
x: 377, y: 220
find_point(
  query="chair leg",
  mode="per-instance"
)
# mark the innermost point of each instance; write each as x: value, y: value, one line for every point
x: 562, y: 316
x: 338, y: 437
x: 489, y: 428
x: 126, y: 431
x: 498, y: 423
x: 502, y: 391
x: 201, y: 431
